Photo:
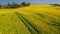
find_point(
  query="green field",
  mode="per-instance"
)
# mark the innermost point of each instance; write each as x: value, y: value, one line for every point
x: 34, y: 19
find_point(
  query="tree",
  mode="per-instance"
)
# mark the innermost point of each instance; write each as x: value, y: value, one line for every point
x: 8, y: 5
x: 28, y: 4
x: 55, y: 5
x: 0, y: 5
x: 14, y: 5
x: 24, y: 3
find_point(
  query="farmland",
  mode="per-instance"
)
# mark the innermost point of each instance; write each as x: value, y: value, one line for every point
x: 33, y: 19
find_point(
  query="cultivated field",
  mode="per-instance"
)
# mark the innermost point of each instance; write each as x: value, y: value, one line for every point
x: 34, y: 19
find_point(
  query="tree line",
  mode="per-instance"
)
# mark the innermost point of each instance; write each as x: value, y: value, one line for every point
x: 14, y: 5
x: 55, y: 5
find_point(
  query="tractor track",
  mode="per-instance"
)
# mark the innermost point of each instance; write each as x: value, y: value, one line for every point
x: 31, y: 27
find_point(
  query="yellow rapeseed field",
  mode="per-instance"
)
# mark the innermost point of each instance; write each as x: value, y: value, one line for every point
x: 33, y: 19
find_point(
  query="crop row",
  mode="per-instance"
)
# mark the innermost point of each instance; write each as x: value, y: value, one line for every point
x: 52, y: 21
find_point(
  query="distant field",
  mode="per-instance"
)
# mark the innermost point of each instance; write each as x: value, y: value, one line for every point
x: 34, y: 19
